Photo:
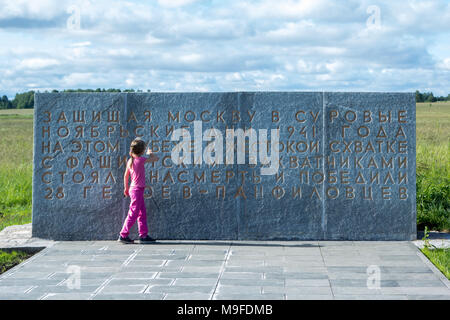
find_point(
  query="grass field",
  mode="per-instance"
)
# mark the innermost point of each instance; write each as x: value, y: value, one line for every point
x: 433, y: 166
x: 17, y: 112
x: 16, y: 153
x: 10, y: 259
x: 440, y: 258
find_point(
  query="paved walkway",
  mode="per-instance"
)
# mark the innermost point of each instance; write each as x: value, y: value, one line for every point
x: 226, y: 270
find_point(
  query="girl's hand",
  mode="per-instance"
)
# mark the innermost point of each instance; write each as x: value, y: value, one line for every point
x: 149, y: 151
x: 126, y: 193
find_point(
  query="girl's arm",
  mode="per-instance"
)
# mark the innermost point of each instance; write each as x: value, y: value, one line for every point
x: 126, y: 178
x: 151, y: 156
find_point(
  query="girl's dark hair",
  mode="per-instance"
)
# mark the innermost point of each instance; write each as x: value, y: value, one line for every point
x: 137, y: 147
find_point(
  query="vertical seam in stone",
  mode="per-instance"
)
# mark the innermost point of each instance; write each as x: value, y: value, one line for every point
x: 324, y: 218
x: 44, y: 296
x: 124, y: 208
x: 238, y: 211
x: 33, y: 177
x: 414, y: 159
x: 222, y: 269
x: 100, y: 288
x: 131, y: 257
x: 326, y: 268
x: 29, y: 289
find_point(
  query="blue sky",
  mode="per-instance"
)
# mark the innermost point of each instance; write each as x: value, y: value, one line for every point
x: 194, y: 45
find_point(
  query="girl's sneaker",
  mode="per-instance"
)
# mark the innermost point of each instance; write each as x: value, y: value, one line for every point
x: 145, y: 240
x: 126, y: 240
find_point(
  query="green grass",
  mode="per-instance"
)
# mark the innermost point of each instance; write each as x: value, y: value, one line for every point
x: 440, y: 258
x: 16, y: 152
x: 10, y: 259
x: 433, y: 165
x: 18, y: 112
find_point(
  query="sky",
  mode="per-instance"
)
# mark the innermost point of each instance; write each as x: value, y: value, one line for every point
x: 195, y: 45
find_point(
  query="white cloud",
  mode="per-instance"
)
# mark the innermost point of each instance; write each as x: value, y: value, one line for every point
x: 234, y: 45
x: 444, y: 64
x: 130, y: 82
x: 296, y: 9
x: 36, y: 63
x: 81, y: 44
x: 120, y: 52
x: 192, y: 58
x: 175, y: 3
x: 74, y: 79
x: 42, y: 9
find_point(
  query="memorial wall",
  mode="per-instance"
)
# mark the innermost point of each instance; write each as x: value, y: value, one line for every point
x: 233, y: 165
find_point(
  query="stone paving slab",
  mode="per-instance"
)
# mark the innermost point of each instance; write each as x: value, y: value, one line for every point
x: 214, y: 270
x: 20, y: 237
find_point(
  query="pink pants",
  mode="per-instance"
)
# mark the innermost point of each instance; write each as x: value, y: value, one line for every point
x: 137, y: 212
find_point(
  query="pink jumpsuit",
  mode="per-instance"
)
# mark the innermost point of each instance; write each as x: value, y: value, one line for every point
x: 137, y: 209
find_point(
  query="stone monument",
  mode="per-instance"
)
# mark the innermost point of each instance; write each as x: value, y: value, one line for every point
x: 233, y: 165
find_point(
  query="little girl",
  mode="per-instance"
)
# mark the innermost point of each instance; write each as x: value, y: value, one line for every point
x: 137, y: 211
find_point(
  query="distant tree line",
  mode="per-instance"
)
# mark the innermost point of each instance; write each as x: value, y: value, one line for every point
x: 26, y: 100
x: 21, y: 101
x: 429, y: 97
